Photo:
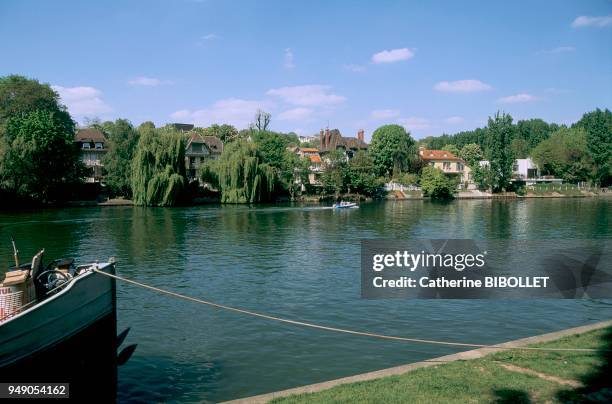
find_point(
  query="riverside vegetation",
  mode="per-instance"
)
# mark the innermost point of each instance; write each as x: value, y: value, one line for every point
x: 39, y: 163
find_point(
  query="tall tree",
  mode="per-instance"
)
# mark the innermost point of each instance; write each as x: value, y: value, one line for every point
x: 565, y: 155
x: 122, y: 141
x: 392, y: 150
x: 40, y: 157
x: 158, y: 169
x: 37, y: 155
x: 598, y: 126
x: 242, y: 176
x: 500, y: 133
x: 471, y: 153
x: 262, y: 120
x: 451, y: 148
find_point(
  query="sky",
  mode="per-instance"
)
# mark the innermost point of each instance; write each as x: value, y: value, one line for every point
x: 432, y: 67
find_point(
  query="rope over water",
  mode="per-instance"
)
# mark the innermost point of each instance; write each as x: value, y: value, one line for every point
x: 334, y: 329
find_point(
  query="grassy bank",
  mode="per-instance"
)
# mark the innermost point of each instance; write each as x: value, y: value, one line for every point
x: 510, y: 376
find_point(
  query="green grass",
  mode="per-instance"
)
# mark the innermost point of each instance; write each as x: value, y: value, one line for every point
x: 485, y: 380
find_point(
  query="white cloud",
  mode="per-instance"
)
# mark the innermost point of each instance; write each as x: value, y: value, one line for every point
x: 513, y: 99
x: 295, y: 114
x: 384, y: 114
x: 82, y: 101
x: 210, y: 37
x: 393, y: 55
x: 560, y: 49
x: 414, y: 123
x: 462, y: 86
x: 454, y: 120
x: 147, y: 81
x: 355, y: 68
x: 235, y: 111
x: 289, y: 64
x: 586, y: 21
x: 308, y: 95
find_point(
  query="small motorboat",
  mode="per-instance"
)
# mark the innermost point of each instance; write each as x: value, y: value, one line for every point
x: 345, y: 205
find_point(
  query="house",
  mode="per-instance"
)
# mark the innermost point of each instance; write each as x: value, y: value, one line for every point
x: 92, y: 146
x: 316, y: 164
x: 199, y: 149
x: 525, y: 170
x: 307, y: 139
x: 183, y: 127
x: 446, y: 161
x: 331, y: 140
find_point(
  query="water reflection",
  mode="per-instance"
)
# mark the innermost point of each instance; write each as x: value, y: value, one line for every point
x: 300, y: 262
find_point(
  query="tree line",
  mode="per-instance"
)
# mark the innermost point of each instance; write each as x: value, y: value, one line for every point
x: 39, y: 162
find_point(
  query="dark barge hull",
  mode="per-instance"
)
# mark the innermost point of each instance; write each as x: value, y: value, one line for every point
x: 80, y: 349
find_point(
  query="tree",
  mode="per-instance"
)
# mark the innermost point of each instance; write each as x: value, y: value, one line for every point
x: 227, y: 133
x: 262, y: 120
x: 435, y: 184
x: 533, y: 131
x: 451, y: 148
x: 242, y: 176
x: 392, y: 150
x: 122, y: 141
x: 360, y: 174
x: 520, y: 148
x: 500, y: 134
x: 598, y: 126
x: 565, y: 154
x: 37, y: 155
x: 158, y: 169
x: 472, y: 154
x: 19, y: 95
x: 333, y: 178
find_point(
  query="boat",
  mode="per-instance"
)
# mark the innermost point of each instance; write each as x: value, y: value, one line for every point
x: 58, y: 323
x: 345, y: 205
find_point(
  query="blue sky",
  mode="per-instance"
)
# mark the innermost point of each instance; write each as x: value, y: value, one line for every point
x: 435, y: 68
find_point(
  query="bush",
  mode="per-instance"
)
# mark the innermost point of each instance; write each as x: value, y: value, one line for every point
x: 435, y: 184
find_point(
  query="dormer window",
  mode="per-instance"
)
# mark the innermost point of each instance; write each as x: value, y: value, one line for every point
x: 86, y: 146
x: 99, y: 145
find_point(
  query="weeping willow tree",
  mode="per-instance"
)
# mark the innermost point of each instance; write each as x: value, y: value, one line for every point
x: 158, y: 168
x: 240, y: 174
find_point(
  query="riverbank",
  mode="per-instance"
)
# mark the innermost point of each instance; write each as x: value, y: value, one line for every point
x: 481, y: 375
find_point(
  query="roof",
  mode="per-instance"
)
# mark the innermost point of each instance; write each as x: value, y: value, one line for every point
x: 185, y: 127
x: 212, y: 142
x: 315, y: 158
x: 309, y: 149
x: 89, y: 135
x: 439, y: 155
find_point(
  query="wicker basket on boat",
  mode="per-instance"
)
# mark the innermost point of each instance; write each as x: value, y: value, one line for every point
x: 16, y: 291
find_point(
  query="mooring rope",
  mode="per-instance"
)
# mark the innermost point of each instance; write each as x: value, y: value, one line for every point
x: 335, y: 329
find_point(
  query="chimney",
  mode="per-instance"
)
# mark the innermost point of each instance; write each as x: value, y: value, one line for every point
x: 327, y: 138
x: 360, y: 135
x: 322, y: 139
x: 421, y: 150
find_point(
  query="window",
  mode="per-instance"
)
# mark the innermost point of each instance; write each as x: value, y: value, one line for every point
x: 459, y: 167
x: 196, y: 147
x: 446, y: 165
x: 86, y: 146
x: 515, y: 167
x: 99, y: 145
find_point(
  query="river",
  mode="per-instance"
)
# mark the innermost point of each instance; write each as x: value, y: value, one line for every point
x: 295, y: 261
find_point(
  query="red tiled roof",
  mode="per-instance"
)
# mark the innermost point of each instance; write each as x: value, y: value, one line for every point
x: 315, y: 158
x: 309, y: 149
x: 439, y: 155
